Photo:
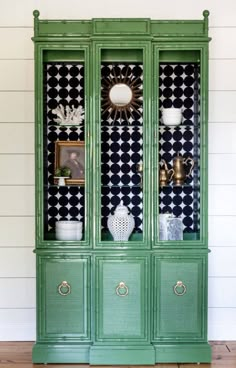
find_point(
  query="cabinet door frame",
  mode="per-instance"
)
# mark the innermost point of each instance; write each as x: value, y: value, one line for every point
x: 145, y: 47
x: 60, y: 50
x: 144, y: 279
x: 202, y: 49
x: 42, y: 334
x: 201, y: 293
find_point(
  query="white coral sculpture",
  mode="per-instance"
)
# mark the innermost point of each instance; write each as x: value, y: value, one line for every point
x: 69, y: 116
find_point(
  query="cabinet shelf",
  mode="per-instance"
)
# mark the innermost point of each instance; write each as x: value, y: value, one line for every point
x: 135, y: 237
x: 121, y: 126
x: 62, y: 186
x: 193, y: 186
x: 66, y: 126
x: 121, y: 186
x: 51, y: 236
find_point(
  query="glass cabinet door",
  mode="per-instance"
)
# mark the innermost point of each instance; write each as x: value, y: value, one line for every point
x: 64, y: 132
x: 179, y: 152
x: 121, y: 154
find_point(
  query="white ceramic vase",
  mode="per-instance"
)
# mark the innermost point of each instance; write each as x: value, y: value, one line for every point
x: 121, y: 224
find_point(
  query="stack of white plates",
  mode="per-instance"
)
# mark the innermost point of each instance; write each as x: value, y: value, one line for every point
x: 172, y: 116
x: 69, y: 230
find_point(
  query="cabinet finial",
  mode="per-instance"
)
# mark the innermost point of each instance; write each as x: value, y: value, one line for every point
x: 36, y: 13
x: 206, y: 13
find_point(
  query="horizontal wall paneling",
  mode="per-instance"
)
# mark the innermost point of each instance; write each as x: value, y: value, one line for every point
x: 222, y: 324
x: 22, y: 78
x: 16, y: 169
x: 16, y: 107
x: 221, y: 200
x: 18, y: 139
x: 17, y: 324
x: 219, y: 296
x: 20, y: 13
x: 222, y: 138
x: 222, y: 231
x: 17, y: 201
x: 18, y: 262
x: 222, y: 106
x: 17, y: 231
x: 18, y: 293
x: 222, y: 263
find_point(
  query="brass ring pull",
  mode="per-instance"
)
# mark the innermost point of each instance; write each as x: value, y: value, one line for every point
x: 180, y: 284
x: 64, y: 284
x: 121, y: 287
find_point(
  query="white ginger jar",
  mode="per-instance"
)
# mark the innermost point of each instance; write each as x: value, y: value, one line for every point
x: 121, y: 224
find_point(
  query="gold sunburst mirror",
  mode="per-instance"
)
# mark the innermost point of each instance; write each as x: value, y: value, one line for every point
x: 122, y: 92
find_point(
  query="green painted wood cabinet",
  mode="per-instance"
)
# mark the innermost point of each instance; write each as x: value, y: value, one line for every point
x: 121, y: 110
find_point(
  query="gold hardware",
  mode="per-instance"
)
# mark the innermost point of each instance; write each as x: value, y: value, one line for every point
x: 119, y: 289
x: 139, y: 168
x: 165, y: 175
x: 179, y: 174
x: 179, y: 284
x: 64, y: 284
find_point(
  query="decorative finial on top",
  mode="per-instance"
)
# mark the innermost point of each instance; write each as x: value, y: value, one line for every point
x: 206, y: 13
x: 36, y: 13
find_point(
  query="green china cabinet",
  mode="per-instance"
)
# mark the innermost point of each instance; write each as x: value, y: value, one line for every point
x: 121, y: 109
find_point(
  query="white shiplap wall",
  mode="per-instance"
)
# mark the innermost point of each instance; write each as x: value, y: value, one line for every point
x: 17, y: 262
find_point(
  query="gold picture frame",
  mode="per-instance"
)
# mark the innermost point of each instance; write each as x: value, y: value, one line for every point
x: 66, y: 155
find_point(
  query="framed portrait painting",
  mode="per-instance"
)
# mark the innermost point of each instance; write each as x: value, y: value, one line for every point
x: 71, y: 154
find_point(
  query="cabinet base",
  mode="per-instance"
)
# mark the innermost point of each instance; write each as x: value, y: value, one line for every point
x: 122, y: 355
x: 183, y: 353
x: 60, y: 353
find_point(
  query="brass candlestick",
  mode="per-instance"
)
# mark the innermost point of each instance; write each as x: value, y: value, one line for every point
x: 139, y: 168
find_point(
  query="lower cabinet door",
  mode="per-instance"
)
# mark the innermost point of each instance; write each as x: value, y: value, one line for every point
x: 121, y: 299
x: 180, y: 294
x: 64, y: 297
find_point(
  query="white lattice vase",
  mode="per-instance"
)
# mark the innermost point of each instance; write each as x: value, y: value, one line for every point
x: 121, y: 224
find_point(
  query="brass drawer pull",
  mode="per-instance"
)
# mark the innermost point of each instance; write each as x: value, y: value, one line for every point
x: 178, y: 285
x: 121, y: 287
x: 64, y: 284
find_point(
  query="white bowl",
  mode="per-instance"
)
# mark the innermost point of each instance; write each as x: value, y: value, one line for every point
x: 171, y: 110
x: 69, y: 230
x: 68, y: 224
x: 172, y: 116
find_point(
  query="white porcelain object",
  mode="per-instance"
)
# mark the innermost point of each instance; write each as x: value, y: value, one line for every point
x: 175, y: 228
x: 69, y: 230
x: 61, y: 180
x: 163, y: 225
x: 172, y: 116
x: 121, y: 224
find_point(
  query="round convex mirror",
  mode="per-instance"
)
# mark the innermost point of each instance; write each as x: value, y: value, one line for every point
x: 120, y: 94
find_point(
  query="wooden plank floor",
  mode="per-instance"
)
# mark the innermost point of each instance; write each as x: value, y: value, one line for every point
x: 18, y: 355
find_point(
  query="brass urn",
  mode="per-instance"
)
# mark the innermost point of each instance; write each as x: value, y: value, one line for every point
x: 179, y: 171
x: 165, y: 175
